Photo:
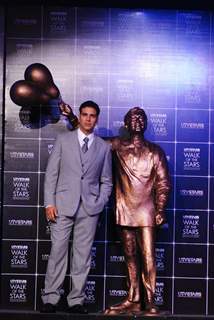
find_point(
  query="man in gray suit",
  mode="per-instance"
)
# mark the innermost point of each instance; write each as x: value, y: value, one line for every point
x: 78, y: 184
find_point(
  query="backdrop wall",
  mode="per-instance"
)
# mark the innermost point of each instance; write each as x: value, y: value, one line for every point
x: 159, y: 59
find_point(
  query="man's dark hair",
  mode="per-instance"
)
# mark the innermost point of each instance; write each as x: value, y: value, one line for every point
x: 90, y: 104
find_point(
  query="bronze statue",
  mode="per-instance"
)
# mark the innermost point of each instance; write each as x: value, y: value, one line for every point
x: 142, y: 187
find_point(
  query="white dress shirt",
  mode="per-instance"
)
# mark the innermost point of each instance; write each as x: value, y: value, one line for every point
x: 82, y: 135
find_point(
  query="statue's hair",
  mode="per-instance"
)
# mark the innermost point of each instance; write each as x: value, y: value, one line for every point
x: 135, y: 111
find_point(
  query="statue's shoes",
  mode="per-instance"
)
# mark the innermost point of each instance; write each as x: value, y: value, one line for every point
x: 151, y: 309
x: 124, y: 307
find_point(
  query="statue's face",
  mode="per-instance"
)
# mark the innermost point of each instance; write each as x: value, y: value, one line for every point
x: 136, y: 122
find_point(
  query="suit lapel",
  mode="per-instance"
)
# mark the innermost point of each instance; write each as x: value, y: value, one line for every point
x: 76, y: 150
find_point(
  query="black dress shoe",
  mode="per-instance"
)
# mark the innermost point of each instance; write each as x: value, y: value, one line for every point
x: 48, y: 308
x: 77, y: 308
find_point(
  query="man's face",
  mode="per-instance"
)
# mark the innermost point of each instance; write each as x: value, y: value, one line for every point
x: 87, y: 120
x: 136, y: 123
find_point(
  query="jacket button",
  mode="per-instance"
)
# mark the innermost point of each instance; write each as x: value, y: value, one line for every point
x: 82, y: 178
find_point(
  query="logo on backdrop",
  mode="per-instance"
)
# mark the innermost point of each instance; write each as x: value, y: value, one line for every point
x: 88, y: 87
x: 21, y: 188
x: 45, y: 257
x: 20, y: 222
x: 159, y: 124
x: 159, y: 293
x: 193, y: 96
x: 189, y: 294
x: 58, y: 21
x: 190, y: 260
x: 125, y: 89
x: 160, y: 257
x: 191, y: 193
x: 90, y: 292
x: 192, y: 125
x: 21, y: 155
x: 24, y: 50
x: 19, y: 127
x: 117, y: 258
x: 192, y: 23
x: 93, y: 257
x: 192, y: 158
x: 25, y: 22
x: 190, y: 226
x: 117, y: 293
x: 18, y: 288
x: 19, y: 256
x: 117, y: 124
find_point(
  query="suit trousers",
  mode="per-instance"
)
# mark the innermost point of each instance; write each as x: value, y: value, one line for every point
x: 84, y: 228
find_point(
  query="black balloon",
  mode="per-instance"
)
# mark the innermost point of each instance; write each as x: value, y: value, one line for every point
x: 52, y: 91
x: 26, y: 93
x: 40, y: 75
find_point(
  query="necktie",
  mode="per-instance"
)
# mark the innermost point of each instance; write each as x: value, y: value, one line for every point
x: 85, y: 145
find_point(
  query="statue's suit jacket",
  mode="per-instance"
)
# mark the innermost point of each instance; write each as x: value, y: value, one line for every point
x: 69, y: 178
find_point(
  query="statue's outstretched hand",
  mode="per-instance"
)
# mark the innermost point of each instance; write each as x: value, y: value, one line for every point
x: 65, y: 109
x: 160, y: 219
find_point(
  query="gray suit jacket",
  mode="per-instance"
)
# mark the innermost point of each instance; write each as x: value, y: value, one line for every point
x: 67, y: 179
